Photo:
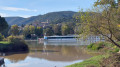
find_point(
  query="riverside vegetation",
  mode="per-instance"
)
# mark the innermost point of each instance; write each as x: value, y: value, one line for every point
x: 13, y: 44
x: 103, y: 19
x: 10, y: 43
x: 107, y: 56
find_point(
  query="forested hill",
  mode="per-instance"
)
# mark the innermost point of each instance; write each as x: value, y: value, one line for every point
x: 53, y: 17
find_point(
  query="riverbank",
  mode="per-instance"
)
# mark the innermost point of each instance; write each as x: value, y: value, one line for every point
x: 107, y: 56
x: 92, y: 62
x: 6, y: 46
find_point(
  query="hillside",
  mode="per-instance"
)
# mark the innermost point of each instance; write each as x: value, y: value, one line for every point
x: 53, y: 17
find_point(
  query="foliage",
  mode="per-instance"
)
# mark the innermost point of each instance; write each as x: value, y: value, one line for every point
x: 6, y: 32
x: 39, y: 31
x: 94, y: 46
x: 3, y: 24
x: 99, y: 45
x: 28, y: 30
x: 57, y: 29
x: 48, y: 32
x: 71, y: 26
x: 103, y: 20
x: 116, y: 50
x: 4, y: 42
x: 90, y: 46
x: 14, y: 30
x: 112, y: 3
x: 106, y: 47
x: 13, y: 44
x: 13, y: 47
x: 14, y: 39
x: 1, y: 37
x: 65, y: 29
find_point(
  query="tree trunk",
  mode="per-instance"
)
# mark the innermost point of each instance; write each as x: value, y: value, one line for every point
x: 114, y: 42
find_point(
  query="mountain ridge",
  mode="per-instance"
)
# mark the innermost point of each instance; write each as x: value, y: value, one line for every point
x: 52, y: 17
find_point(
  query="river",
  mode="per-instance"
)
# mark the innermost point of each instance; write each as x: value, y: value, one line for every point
x: 47, y: 54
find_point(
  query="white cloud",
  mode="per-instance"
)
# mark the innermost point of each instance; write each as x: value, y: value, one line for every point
x: 3, y: 14
x: 16, y: 9
x: 6, y: 15
x: 25, y: 16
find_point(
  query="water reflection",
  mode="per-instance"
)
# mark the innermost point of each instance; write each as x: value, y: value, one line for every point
x: 46, y: 55
x: 57, y: 52
x: 61, y: 42
x: 14, y: 58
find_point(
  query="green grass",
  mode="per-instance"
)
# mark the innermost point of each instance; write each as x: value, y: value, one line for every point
x: 94, y: 61
x: 4, y: 42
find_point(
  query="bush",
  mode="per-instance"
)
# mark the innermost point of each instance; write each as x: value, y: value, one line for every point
x: 14, y: 39
x: 116, y: 50
x: 102, y: 44
x: 13, y: 44
x: 13, y: 47
x: 90, y: 46
x: 97, y: 46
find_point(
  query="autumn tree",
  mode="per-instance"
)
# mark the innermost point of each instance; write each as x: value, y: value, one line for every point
x: 28, y: 30
x: 103, y: 19
x: 65, y: 29
x: 14, y: 30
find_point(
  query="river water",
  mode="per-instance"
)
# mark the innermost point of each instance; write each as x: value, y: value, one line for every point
x: 47, y: 54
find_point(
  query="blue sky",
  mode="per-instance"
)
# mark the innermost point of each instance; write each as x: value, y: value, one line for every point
x: 27, y: 8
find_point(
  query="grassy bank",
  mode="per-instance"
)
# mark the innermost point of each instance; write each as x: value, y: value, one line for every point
x: 4, y: 42
x: 108, y: 53
x: 13, y: 47
x: 92, y: 62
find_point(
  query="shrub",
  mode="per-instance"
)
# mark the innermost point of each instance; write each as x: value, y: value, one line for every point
x: 101, y: 44
x: 97, y: 46
x: 13, y: 47
x: 13, y: 44
x: 15, y: 39
x: 116, y: 50
x: 104, y: 46
x: 90, y: 46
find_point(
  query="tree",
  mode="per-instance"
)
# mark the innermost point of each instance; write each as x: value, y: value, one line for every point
x: 14, y: 30
x: 3, y: 24
x: 57, y: 29
x: 39, y: 31
x: 102, y: 20
x: 28, y: 30
x: 111, y: 3
x: 1, y: 37
x: 71, y: 27
x: 65, y: 29
x: 48, y: 32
